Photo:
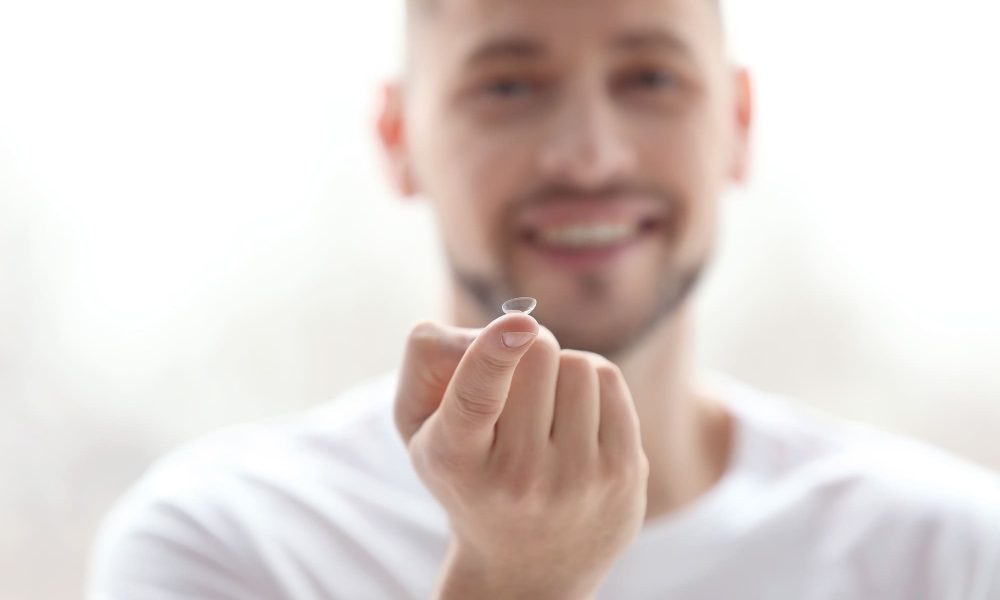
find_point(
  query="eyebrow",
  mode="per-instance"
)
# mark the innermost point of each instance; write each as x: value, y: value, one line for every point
x: 506, y: 47
x: 652, y: 39
x: 522, y: 48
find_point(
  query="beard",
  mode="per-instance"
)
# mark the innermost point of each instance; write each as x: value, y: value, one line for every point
x: 597, y: 317
x: 619, y: 327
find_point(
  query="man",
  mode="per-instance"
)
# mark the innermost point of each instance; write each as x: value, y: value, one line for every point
x: 573, y: 151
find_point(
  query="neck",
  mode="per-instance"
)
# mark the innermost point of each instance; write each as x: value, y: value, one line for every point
x: 686, y: 435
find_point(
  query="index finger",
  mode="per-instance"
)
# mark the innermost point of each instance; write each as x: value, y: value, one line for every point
x: 477, y: 392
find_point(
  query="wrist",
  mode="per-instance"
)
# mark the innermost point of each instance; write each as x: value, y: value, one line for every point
x: 467, y: 574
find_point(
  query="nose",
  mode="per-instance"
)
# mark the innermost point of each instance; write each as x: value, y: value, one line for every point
x: 585, y: 146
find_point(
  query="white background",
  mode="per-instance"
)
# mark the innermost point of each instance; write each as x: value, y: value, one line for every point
x: 194, y: 230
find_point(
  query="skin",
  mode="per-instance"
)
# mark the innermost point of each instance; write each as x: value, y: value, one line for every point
x: 510, y: 103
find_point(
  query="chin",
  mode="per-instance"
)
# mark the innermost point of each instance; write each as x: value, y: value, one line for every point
x: 606, y: 337
x: 613, y: 326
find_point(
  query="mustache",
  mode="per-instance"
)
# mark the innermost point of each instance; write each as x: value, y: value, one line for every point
x: 556, y: 191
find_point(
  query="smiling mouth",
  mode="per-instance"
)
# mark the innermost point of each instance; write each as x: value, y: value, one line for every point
x: 588, y: 236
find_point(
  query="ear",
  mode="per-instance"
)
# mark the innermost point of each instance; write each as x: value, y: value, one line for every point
x: 743, y: 120
x: 391, y: 133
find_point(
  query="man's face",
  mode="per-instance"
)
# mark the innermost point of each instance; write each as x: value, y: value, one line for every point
x: 573, y: 151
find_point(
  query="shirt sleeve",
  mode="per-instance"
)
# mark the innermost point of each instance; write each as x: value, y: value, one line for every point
x: 986, y: 583
x: 180, y: 532
x: 159, y: 550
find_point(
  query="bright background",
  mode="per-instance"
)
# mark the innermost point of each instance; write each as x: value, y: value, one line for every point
x: 194, y: 230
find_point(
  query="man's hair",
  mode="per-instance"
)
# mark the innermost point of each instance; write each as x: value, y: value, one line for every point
x: 424, y: 8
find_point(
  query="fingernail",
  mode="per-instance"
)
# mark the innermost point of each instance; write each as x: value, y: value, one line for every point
x: 516, y: 339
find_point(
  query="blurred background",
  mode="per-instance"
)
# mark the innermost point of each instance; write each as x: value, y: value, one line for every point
x: 195, y: 230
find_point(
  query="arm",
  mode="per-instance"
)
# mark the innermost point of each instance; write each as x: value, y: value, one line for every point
x: 158, y: 550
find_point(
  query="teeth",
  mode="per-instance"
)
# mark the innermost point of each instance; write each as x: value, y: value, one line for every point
x: 580, y: 236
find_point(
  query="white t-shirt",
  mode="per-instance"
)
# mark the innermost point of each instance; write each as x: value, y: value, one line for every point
x: 325, y: 505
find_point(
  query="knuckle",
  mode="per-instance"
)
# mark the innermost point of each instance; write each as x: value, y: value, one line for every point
x: 576, y: 377
x: 618, y: 473
x: 537, y: 352
x: 423, y: 328
x: 493, y: 365
x: 594, y: 359
x: 574, y: 363
x: 438, y: 461
x: 546, y: 341
x: 422, y: 334
x: 473, y: 405
x: 608, y: 373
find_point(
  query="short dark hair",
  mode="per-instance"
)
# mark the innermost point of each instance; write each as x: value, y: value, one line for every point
x: 427, y: 7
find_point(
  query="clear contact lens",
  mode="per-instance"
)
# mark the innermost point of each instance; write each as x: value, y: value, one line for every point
x: 524, y: 305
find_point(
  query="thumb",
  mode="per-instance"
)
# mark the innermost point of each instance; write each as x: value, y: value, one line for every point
x: 476, y: 395
x: 432, y: 353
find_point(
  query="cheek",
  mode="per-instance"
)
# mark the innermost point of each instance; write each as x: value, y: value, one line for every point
x: 473, y: 179
x: 685, y: 157
x: 687, y: 147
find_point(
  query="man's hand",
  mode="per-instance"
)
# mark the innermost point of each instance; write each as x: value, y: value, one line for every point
x: 534, y: 452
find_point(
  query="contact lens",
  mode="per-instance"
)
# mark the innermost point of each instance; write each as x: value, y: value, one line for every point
x: 524, y: 305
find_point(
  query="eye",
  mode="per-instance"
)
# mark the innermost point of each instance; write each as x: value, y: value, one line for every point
x: 653, y: 79
x: 508, y: 88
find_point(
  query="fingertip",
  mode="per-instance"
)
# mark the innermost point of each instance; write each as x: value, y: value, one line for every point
x: 516, y: 339
x: 512, y: 331
x: 514, y: 322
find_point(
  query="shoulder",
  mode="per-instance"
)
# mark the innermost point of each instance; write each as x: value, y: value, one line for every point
x: 334, y: 435
x: 201, y: 512
x: 925, y: 484
x: 938, y: 514
x: 791, y: 438
x: 875, y: 491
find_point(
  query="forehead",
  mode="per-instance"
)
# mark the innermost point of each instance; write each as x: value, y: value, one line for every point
x: 455, y: 31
